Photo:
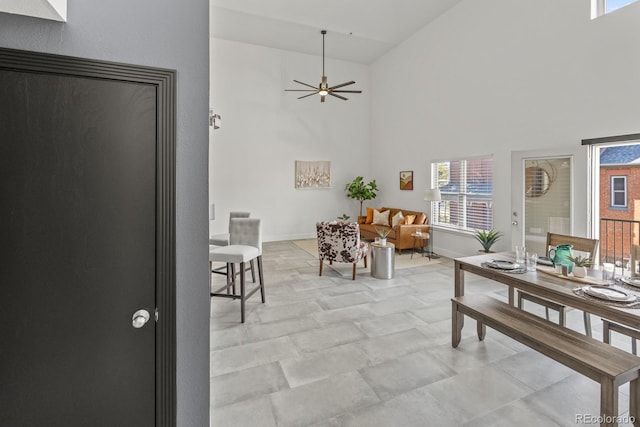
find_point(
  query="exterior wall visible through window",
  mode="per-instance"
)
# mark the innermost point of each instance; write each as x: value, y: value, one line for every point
x: 466, y: 186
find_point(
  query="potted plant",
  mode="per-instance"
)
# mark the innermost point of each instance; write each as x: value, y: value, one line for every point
x: 487, y: 238
x: 383, y: 233
x: 358, y: 190
x: 580, y: 265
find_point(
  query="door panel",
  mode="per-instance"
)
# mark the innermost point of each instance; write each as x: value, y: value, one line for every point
x: 78, y: 253
x: 573, y: 194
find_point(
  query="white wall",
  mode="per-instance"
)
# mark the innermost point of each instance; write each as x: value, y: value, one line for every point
x: 265, y: 130
x: 170, y: 35
x: 498, y: 76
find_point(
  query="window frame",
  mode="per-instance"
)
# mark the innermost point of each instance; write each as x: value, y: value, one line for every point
x: 462, y: 196
x: 599, y: 8
x: 613, y: 192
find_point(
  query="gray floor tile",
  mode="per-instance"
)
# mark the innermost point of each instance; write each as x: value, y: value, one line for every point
x: 323, y: 364
x: 404, y: 374
x: 280, y: 328
x: 255, y: 413
x: 327, y: 337
x: 322, y: 400
x: 384, y: 325
x: 250, y: 355
x: 477, y: 392
x: 345, y: 300
x: 246, y: 384
x: 415, y: 409
x: 387, y: 347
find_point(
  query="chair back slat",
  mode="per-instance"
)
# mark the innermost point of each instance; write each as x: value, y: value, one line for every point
x: 581, y: 244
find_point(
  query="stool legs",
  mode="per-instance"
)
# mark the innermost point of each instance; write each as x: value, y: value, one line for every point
x: 242, y: 298
x: 260, y: 274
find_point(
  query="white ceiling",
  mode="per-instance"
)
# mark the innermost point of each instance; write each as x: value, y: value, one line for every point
x: 46, y: 9
x: 357, y: 30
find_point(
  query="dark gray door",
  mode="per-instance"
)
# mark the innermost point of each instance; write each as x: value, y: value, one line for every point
x: 77, y: 250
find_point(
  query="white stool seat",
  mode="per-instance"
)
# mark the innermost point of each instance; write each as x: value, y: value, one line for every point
x: 233, y: 253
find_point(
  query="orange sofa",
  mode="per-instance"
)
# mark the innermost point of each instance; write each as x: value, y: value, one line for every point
x: 400, y: 235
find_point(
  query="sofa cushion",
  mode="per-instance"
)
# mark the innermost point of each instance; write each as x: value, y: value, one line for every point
x: 409, y: 219
x: 397, y: 219
x: 369, y: 219
x: 380, y: 218
x: 421, y: 219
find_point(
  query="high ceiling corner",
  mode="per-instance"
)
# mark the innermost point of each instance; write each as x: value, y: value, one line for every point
x: 359, y: 30
x: 55, y: 10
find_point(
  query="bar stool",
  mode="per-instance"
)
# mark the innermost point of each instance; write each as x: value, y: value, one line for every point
x: 245, y: 245
x: 223, y: 240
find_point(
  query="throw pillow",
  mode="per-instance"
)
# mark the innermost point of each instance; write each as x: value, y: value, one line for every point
x: 421, y: 219
x: 369, y: 219
x: 409, y: 219
x: 397, y: 219
x: 380, y: 218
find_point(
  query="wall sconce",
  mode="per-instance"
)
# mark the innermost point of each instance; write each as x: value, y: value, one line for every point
x: 214, y: 119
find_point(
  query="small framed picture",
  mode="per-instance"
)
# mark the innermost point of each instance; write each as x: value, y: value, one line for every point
x: 406, y: 180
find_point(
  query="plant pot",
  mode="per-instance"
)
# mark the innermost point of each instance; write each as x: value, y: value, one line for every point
x: 382, y: 241
x: 580, y: 271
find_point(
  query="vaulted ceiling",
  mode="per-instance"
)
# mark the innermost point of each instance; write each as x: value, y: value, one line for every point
x: 357, y: 30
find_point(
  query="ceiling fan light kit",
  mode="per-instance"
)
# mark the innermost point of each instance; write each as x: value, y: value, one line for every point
x: 323, y: 88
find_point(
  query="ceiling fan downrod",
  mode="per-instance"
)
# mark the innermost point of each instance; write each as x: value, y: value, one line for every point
x: 323, y: 88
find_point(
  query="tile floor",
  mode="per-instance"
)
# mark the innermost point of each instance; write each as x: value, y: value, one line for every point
x: 329, y: 351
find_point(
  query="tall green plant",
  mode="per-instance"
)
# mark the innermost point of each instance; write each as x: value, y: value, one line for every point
x: 360, y: 191
x: 487, y: 238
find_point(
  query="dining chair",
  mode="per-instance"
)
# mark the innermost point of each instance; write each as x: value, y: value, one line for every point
x: 340, y: 241
x: 608, y: 326
x: 245, y: 245
x: 581, y: 244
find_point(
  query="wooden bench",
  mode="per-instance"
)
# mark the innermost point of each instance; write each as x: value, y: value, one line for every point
x: 609, y: 366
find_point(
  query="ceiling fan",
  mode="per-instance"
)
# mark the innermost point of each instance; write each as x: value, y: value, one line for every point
x: 323, y: 89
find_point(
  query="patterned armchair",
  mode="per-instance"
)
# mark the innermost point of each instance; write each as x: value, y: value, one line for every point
x: 340, y: 241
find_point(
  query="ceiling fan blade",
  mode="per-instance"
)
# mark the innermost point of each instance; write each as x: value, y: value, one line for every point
x: 338, y: 96
x: 342, y: 84
x: 304, y: 96
x: 301, y: 90
x: 347, y: 91
x: 298, y: 81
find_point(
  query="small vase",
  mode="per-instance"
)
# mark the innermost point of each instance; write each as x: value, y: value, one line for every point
x: 580, y: 271
x: 383, y: 241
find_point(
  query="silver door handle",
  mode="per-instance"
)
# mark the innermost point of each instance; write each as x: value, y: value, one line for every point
x: 514, y: 222
x: 140, y: 318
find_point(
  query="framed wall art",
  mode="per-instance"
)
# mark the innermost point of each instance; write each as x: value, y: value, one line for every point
x: 406, y: 180
x: 313, y: 174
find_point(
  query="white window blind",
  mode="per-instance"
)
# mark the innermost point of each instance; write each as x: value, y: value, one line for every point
x: 619, y: 191
x: 466, y: 186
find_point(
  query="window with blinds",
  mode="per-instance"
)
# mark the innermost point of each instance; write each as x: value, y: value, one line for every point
x: 466, y: 187
x: 619, y: 191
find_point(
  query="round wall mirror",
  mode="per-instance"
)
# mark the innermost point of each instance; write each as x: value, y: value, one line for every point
x: 536, y: 182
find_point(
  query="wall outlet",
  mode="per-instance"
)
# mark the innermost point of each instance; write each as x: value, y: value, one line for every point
x: 535, y: 230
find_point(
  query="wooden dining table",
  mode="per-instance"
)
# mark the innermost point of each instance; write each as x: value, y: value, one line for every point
x: 544, y: 284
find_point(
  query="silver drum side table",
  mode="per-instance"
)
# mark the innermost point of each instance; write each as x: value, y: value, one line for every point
x: 383, y: 260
